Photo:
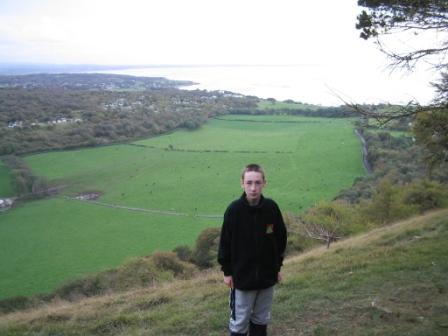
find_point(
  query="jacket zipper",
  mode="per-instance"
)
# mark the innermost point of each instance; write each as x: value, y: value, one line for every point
x: 257, y: 247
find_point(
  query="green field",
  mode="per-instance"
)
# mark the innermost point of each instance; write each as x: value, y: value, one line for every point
x: 265, y: 105
x: 396, y: 134
x: 188, y: 175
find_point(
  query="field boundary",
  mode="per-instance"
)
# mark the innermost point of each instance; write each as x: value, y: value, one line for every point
x: 207, y: 151
x: 365, y: 153
x: 270, y: 121
x: 152, y: 211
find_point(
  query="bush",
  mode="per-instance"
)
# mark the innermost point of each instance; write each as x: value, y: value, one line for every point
x: 387, y: 204
x: 140, y: 272
x: 206, y: 249
x: 168, y: 261
x: 76, y: 289
x: 184, y: 253
x: 394, y: 201
x: 16, y: 303
x: 339, y: 217
x: 27, y: 185
x: 424, y: 195
x: 298, y: 241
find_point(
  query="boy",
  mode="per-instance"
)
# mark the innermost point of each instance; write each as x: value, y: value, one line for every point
x: 251, y: 250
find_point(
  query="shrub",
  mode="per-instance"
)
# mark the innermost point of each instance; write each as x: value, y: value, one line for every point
x: 76, y: 289
x: 424, y: 194
x: 168, y: 261
x: 206, y: 249
x: 387, y: 204
x: 139, y: 272
x: 15, y: 303
x: 184, y: 253
x: 337, y: 216
x: 298, y: 241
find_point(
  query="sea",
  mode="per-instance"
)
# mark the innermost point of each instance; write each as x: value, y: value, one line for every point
x: 306, y: 83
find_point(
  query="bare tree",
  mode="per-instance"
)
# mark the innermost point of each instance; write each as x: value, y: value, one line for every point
x: 319, y: 232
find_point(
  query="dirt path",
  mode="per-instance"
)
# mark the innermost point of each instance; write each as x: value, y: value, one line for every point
x: 152, y: 211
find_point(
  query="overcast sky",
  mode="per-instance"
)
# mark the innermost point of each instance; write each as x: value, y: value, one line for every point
x: 190, y: 32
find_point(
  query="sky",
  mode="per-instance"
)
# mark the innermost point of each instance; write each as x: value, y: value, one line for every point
x: 280, y: 32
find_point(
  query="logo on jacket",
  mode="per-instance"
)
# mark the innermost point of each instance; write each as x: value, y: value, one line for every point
x: 270, y: 228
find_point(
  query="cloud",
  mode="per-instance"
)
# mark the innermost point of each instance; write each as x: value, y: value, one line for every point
x: 174, y: 31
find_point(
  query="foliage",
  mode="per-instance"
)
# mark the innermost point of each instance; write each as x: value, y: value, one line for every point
x: 397, y: 156
x: 393, y: 201
x: 398, y: 188
x: 327, y: 221
x: 272, y: 107
x: 386, y: 204
x: 17, y: 303
x: 323, y: 222
x: 206, y: 250
x: 6, y: 185
x: 337, y: 216
x: 183, y: 252
x: 169, y: 261
x: 140, y: 272
x: 26, y: 184
x: 431, y: 129
x: 46, y: 112
x: 394, y: 16
x: 419, y: 17
x: 425, y: 195
x: 298, y: 240
x: 136, y: 273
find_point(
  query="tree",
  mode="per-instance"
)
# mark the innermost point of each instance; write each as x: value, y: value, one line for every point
x: 431, y: 129
x: 324, y: 222
x: 384, y: 17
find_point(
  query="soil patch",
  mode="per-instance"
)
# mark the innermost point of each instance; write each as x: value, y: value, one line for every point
x: 88, y: 196
x: 6, y: 203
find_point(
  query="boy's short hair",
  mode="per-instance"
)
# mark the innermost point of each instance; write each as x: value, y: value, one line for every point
x: 253, y: 167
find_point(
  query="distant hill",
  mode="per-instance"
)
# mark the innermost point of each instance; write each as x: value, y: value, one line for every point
x: 38, y: 68
x: 390, y: 281
x: 41, y: 112
x: 88, y: 81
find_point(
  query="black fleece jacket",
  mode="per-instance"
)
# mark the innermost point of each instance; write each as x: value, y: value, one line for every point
x: 252, y: 243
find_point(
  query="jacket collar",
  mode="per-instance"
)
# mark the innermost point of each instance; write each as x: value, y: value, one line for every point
x: 246, y: 203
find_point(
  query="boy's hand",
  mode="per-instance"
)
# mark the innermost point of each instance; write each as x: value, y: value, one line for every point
x: 228, y: 280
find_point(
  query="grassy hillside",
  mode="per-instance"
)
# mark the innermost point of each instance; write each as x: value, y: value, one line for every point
x: 163, y: 189
x: 391, y: 281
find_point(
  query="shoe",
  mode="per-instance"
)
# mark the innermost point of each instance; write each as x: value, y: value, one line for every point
x: 257, y: 329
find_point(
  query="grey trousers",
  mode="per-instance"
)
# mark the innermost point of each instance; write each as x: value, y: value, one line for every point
x: 249, y: 306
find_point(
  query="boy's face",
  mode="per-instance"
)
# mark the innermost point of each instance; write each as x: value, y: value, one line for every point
x: 253, y: 184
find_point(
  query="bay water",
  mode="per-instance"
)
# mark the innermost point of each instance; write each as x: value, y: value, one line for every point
x: 308, y: 83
